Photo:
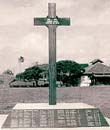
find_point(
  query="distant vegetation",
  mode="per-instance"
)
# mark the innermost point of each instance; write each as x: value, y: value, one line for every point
x: 68, y: 73
x: 8, y: 72
x: 30, y: 74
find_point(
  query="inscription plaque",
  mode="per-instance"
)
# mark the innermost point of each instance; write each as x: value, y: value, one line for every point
x: 55, y: 118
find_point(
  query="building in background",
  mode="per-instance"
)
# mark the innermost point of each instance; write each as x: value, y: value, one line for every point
x: 97, y: 72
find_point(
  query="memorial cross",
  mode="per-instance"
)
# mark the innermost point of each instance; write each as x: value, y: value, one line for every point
x: 52, y: 21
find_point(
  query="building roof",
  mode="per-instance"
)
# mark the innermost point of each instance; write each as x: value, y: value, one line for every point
x: 21, y: 83
x: 96, y: 61
x: 98, y: 68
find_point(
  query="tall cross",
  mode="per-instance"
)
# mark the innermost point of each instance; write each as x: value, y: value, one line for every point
x: 52, y: 22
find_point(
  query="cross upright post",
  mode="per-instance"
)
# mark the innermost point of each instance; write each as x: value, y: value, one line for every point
x: 52, y: 21
x: 52, y: 55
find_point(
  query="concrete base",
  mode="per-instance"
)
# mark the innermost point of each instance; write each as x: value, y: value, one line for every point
x: 27, y: 107
x: 47, y: 106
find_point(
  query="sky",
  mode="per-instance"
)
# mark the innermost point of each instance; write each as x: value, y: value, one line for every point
x: 87, y: 38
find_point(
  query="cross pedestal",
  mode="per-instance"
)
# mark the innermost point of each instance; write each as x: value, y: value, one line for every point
x: 52, y: 22
x: 64, y: 116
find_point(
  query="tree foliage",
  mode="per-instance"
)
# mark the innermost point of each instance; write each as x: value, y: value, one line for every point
x: 30, y: 74
x: 68, y: 72
x: 8, y: 71
x: 83, y: 66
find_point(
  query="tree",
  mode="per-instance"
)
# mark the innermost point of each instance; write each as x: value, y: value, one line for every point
x: 83, y: 66
x: 8, y: 71
x: 30, y: 74
x: 68, y: 72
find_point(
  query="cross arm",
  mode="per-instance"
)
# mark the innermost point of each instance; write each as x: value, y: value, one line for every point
x: 64, y: 21
x: 40, y: 21
x: 52, y: 21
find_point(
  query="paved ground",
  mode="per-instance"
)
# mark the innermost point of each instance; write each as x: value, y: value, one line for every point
x: 96, y: 96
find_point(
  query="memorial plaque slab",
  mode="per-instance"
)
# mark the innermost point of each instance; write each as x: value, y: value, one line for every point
x: 55, y: 118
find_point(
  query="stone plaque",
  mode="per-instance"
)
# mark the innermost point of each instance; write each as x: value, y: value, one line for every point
x: 55, y: 118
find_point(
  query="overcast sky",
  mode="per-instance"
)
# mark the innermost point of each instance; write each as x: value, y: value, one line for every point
x: 87, y: 38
